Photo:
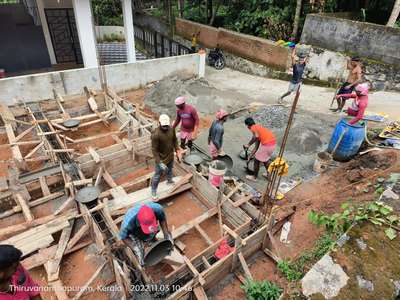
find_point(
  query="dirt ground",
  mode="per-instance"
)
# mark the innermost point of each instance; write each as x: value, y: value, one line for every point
x: 325, y: 193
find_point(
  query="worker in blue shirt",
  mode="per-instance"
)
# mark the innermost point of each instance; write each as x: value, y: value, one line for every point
x: 140, y: 225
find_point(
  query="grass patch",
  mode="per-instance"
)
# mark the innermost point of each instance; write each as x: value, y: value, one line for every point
x: 294, y: 271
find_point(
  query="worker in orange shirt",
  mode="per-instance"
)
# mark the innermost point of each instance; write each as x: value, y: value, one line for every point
x: 265, y: 146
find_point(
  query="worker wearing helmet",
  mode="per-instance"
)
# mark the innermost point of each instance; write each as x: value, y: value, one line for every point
x: 141, y: 224
x: 216, y: 134
x: 163, y: 144
x: 187, y: 116
x: 360, y: 102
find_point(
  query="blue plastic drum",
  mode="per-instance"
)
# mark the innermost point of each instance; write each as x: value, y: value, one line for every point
x: 351, y: 141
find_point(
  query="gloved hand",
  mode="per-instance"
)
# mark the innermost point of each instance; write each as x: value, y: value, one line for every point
x: 163, y: 167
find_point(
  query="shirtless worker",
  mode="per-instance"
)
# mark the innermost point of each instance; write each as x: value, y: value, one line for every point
x: 354, y: 78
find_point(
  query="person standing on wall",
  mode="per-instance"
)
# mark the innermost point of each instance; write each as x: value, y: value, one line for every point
x: 216, y: 134
x: 163, y: 144
x: 188, y: 117
x: 15, y: 281
x: 353, y: 79
x: 297, y: 77
x: 265, y: 146
x: 195, y: 37
x: 140, y: 225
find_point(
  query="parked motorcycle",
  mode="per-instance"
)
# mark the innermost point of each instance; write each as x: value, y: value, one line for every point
x: 216, y: 59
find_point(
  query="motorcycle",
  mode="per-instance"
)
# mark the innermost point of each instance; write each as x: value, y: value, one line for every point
x: 216, y: 59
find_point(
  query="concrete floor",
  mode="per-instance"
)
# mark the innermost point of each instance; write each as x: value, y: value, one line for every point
x: 313, y: 98
x: 232, y: 90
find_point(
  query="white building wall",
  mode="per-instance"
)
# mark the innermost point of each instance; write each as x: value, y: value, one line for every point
x: 119, y: 76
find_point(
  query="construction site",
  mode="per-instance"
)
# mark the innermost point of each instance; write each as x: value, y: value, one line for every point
x: 77, y: 155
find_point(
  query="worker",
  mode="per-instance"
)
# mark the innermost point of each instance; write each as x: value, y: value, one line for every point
x: 15, y: 282
x: 353, y: 79
x: 265, y: 146
x: 163, y: 145
x: 360, y: 102
x: 140, y: 226
x: 189, y: 119
x: 297, y: 77
x: 195, y: 37
x: 216, y: 134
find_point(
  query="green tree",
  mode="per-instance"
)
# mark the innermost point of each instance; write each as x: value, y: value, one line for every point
x: 107, y: 12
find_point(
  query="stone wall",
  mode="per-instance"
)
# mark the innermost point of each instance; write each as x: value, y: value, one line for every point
x: 368, y: 40
x: 329, y: 66
x: 246, y: 46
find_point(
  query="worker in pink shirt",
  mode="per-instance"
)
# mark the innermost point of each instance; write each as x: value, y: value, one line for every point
x: 187, y: 116
x: 360, y: 102
x: 15, y: 282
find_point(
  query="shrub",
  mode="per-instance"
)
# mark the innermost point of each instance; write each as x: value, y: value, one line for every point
x: 261, y: 290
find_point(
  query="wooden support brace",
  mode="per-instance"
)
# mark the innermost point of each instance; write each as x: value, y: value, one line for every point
x: 245, y: 266
x: 185, y: 179
x: 205, y: 261
x: 24, y: 133
x: 194, y: 271
x: 70, y: 200
x: 242, y: 201
x: 34, y: 150
x: 234, y: 190
x: 234, y: 235
x: 78, y: 235
x: 110, y: 181
x: 53, y: 265
x: 90, y: 281
x: 199, y: 293
x: 118, y: 279
x: 44, y: 186
x: 96, y: 157
x: 59, y: 290
x: 203, y: 234
x: 25, y: 207
x: 99, y: 176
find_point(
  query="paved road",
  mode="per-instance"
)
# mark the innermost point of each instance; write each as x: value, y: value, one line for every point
x: 316, y: 99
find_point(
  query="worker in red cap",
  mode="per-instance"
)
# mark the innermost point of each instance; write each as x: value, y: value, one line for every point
x: 187, y: 116
x: 216, y: 134
x: 141, y: 224
x: 15, y: 282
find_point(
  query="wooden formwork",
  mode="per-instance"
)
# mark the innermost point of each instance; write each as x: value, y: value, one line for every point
x: 99, y: 167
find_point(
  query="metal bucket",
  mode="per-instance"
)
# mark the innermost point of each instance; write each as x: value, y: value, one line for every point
x: 157, y: 252
x: 322, y: 162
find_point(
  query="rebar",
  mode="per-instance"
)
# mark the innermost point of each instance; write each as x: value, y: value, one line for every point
x: 275, y: 177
